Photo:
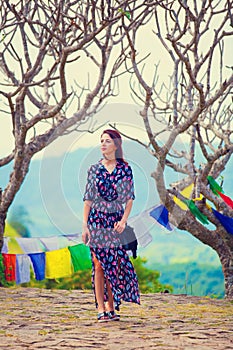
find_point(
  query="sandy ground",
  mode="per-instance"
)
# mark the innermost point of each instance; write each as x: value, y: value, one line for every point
x: 59, y: 319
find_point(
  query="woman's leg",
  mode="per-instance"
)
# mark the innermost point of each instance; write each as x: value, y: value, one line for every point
x: 110, y: 303
x: 99, y: 284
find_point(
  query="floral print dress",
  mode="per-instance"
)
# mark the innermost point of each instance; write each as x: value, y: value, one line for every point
x: 108, y: 194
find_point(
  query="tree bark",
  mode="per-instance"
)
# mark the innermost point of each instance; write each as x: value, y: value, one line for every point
x: 2, y: 227
x: 226, y: 259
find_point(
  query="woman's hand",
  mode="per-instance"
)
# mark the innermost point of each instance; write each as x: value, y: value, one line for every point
x: 119, y: 226
x: 86, y: 235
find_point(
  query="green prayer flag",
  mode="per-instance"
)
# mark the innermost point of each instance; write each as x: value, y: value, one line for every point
x: 127, y: 14
x: 195, y: 211
x: 80, y: 257
x: 214, y: 186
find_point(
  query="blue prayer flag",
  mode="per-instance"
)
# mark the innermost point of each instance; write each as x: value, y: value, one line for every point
x: 160, y: 214
x: 226, y: 221
x: 38, y: 262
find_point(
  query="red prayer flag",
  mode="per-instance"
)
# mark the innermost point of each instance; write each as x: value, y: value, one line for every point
x: 226, y: 199
x: 9, y: 262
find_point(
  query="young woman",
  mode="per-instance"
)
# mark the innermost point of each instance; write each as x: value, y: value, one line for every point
x: 108, y: 201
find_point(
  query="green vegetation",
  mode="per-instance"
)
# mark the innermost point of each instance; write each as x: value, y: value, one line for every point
x: 192, y: 278
x: 79, y: 280
x: 149, y: 279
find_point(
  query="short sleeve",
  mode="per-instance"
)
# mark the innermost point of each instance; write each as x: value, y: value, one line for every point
x: 90, y: 190
x: 129, y: 184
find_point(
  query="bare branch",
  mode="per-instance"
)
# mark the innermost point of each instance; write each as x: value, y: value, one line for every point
x: 195, y: 106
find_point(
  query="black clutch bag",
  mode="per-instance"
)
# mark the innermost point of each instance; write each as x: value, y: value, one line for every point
x: 129, y: 240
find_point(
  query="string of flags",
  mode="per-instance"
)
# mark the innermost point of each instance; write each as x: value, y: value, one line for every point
x: 161, y: 214
x: 20, y: 254
x: 56, y: 256
x: 218, y: 191
x: 60, y: 256
x: 226, y: 221
x: 52, y: 257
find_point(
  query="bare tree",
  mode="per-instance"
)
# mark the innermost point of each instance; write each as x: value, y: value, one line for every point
x: 193, y: 105
x: 47, y: 49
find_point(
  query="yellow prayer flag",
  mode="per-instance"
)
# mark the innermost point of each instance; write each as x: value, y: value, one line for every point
x: 186, y: 192
x: 58, y: 263
x: 198, y: 198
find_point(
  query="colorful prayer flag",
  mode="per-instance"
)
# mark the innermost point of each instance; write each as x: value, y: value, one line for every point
x: 9, y: 262
x: 195, y: 211
x: 14, y: 247
x: 160, y: 214
x: 80, y: 257
x: 214, y: 186
x: 38, y: 263
x: 226, y: 199
x: 22, y: 268
x: 187, y: 193
x: 226, y: 221
x: 58, y: 263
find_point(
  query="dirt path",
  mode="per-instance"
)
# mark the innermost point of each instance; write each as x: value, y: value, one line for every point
x: 58, y: 319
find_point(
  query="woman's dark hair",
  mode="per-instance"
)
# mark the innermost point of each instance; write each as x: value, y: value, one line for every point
x: 116, y: 137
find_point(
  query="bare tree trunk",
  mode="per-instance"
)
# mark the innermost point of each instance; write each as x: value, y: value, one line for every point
x: 227, y: 268
x: 2, y: 222
x: 18, y: 174
x: 2, y: 227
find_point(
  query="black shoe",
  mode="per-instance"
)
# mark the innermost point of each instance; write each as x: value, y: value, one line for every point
x: 113, y: 316
x: 103, y: 317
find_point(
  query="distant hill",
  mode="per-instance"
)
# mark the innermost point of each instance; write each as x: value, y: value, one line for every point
x: 52, y: 196
x: 53, y: 189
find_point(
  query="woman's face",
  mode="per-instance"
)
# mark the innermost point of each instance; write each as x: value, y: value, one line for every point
x: 108, y: 146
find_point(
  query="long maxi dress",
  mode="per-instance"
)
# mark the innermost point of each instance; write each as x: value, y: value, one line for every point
x: 108, y: 193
